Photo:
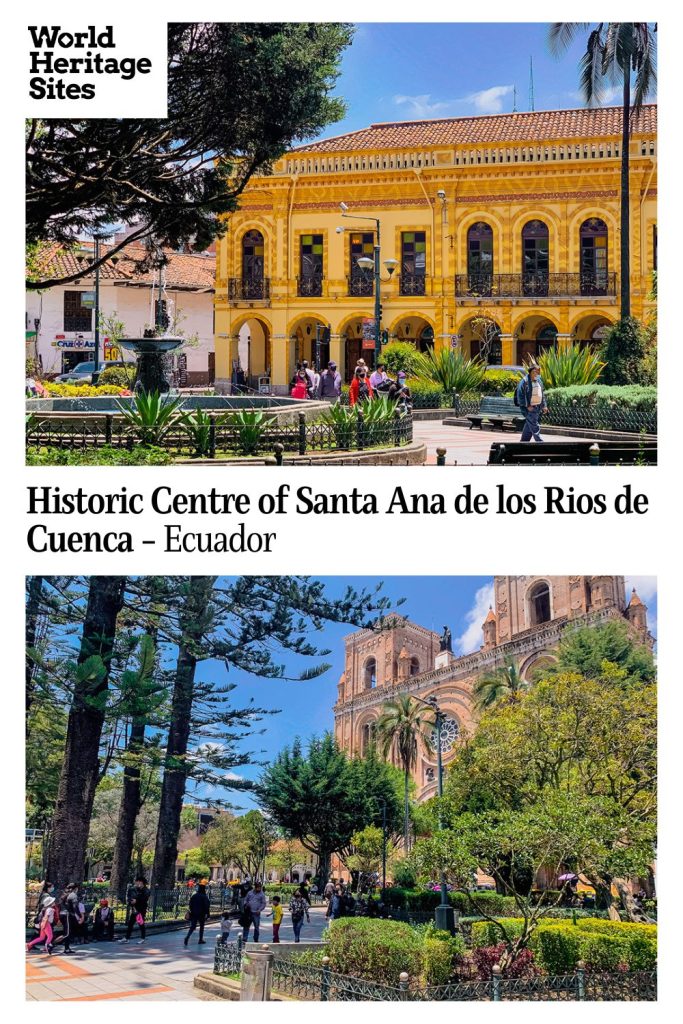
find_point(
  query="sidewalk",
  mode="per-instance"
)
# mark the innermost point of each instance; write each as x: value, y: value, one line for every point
x: 159, y: 969
x: 467, y: 447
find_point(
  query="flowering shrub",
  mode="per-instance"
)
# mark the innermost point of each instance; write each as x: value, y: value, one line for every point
x: 486, y: 957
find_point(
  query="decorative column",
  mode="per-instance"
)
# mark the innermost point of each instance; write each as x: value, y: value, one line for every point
x: 564, y: 341
x: 507, y: 342
x: 337, y: 352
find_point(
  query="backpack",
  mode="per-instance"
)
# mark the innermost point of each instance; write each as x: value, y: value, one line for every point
x: 515, y: 397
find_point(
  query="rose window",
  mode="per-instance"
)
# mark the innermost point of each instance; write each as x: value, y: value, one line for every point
x: 450, y: 730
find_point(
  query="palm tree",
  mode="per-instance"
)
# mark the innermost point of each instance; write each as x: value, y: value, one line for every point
x: 614, y: 49
x: 503, y: 684
x: 403, y: 722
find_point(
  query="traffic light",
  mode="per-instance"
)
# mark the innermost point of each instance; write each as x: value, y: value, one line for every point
x: 327, y: 331
x: 385, y: 336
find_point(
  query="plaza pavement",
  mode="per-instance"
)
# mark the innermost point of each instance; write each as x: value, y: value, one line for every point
x: 467, y: 447
x: 162, y: 968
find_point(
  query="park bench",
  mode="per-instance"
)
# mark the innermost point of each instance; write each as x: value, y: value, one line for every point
x: 573, y: 453
x: 497, y: 411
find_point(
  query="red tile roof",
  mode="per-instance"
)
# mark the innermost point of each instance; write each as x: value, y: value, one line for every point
x: 490, y: 129
x: 194, y: 271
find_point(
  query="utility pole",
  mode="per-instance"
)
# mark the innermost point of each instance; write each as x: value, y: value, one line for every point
x: 531, y: 83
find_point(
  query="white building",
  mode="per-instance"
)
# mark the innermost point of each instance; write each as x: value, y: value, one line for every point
x: 60, y: 321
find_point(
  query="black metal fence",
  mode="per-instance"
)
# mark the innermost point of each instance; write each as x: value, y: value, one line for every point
x: 323, y: 984
x: 164, y: 904
x: 220, y: 438
x: 535, y: 284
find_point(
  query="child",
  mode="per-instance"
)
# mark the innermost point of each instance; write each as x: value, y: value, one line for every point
x: 276, y: 914
x: 103, y: 927
x: 226, y: 925
x: 47, y: 917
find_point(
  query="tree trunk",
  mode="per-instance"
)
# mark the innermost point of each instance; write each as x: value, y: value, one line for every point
x: 131, y: 802
x: 192, y: 626
x: 80, y: 767
x: 632, y: 911
x: 406, y: 811
x: 35, y: 593
x: 625, y: 269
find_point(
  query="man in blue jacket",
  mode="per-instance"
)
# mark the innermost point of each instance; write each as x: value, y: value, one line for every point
x: 531, y: 400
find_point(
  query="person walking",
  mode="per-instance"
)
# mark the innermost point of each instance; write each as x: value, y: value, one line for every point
x: 335, y: 908
x: 137, y: 909
x: 530, y: 397
x: 45, y: 932
x: 276, y: 914
x: 226, y: 926
x: 329, y: 888
x: 298, y: 908
x: 360, y: 389
x: 200, y: 908
x: 103, y: 924
x: 68, y: 916
x: 254, y: 904
x: 329, y: 388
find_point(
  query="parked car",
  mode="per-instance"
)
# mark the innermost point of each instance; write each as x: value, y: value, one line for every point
x: 82, y: 374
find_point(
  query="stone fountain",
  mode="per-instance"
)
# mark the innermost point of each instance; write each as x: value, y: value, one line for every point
x: 151, y: 355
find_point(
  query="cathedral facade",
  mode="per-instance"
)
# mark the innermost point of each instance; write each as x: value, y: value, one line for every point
x: 525, y: 623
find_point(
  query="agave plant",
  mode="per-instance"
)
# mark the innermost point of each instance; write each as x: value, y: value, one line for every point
x: 378, y: 415
x: 250, y: 425
x: 563, y: 368
x: 151, y: 416
x: 451, y: 369
x: 197, y: 424
x: 342, y: 419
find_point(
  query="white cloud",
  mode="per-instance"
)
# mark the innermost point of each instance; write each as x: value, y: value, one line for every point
x: 489, y: 101
x: 486, y: 101
x: 646, y: 587
x: 471, y: 639
x: 609, y: 94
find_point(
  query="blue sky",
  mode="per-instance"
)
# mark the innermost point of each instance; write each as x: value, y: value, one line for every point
x: 306, y: 707
x: 411, y: 71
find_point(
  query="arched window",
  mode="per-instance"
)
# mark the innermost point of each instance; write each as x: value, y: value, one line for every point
x: 593, y: 257
x: 253, y: 250
x: 370, y: 674
x: 539, y: 604
x: 480, y: 259
x: 367, y: 737
x: 414, y: 666
x: 535, y: 258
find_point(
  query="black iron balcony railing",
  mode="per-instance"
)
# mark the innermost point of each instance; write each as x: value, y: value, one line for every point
x: 310, y: 284
x: 248, y: 288
x: 361, y: 286
x: 535, y: 285
x: 412, y: 284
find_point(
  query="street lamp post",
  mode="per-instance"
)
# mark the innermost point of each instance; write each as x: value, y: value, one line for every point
x: 444, y: 914
x: 365, y: 263
x: 384, y: 843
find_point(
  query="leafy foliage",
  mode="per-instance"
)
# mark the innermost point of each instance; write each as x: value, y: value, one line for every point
x: 566, y: 367
x: 451, y: 369
x: 251, y: 425
x: 104, y: 456
x: 623, y: 352
x: 151, y: 416
x: 120, y: 376
x: 239, y: 96
x: 400, y: 357
x: 602, y: 396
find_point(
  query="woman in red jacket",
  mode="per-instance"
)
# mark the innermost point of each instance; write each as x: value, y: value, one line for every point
x: 360, y: 389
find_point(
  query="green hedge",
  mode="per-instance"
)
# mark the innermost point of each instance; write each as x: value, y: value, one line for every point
x: 104, y: 456
x: 426, y: 394
x: 559, y: 945
x: 500, y: 382
x: 375, y: 950
x: 123, y: 376
x: 601, y: 396
x: 487, y: 902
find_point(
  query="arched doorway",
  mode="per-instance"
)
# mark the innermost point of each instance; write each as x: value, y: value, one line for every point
x: 254, y: 352
x: 308, y: 340
x: 593, y: 257
x: 535, y: 258
x: 359, y: 343
x: 253, y: 264
x: 480, y: 258
x: 481, y: 339
x: 590, y: 331
x: 414, y: 329
x: 534, y: 336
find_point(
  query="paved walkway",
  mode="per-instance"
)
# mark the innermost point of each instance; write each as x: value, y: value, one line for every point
x: 467, y: 447
x: 159, y: 969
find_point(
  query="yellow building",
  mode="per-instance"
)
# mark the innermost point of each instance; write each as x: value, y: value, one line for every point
x: 511, y: 217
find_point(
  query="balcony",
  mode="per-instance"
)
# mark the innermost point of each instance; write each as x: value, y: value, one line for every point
x: 412, y: 284
x: 249, y: 289
x: 310, y: 285
x: 535, y: 285
x: 361, y: 286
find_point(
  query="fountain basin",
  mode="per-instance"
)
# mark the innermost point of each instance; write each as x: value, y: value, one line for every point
x: 286, y: 410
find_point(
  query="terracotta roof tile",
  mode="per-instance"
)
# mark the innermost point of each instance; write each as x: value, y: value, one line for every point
x: 183, y: 270
x: 489, y: 129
